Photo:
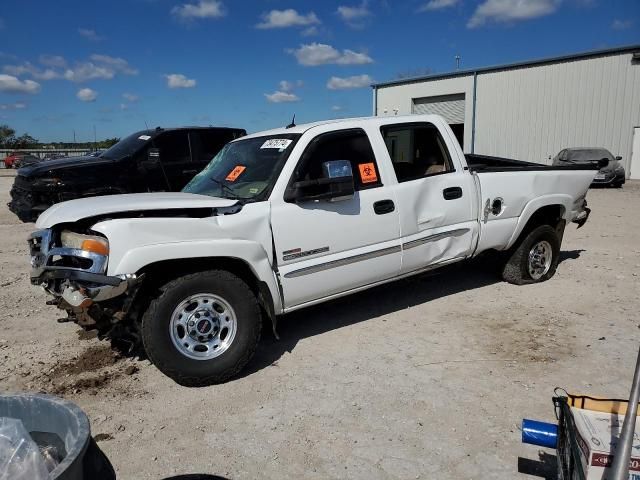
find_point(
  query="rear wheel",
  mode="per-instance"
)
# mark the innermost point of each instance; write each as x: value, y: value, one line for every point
x: 534, y: 258
x: 203, y: 328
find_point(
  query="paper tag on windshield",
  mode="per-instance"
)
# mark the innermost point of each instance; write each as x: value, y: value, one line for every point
x: 235, y: 173
x: 144, y: 137
x: 279, y: 143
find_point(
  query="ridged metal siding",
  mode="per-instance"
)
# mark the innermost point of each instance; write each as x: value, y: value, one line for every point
x: 450, y: 107
x: 531, y: 113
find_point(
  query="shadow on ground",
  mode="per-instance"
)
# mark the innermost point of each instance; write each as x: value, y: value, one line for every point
x: 373, y: 303
x: 546, y: 467
x: 196, y: 476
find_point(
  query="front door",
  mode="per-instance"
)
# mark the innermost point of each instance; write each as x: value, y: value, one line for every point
x: 325, y: 248
x: 176, y: 167
x: 435, y: 196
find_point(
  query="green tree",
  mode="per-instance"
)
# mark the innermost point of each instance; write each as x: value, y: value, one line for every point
x: 7, y: 135
x: 24, y: 141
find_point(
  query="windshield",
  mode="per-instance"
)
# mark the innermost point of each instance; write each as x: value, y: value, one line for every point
x: 126, y: 146
x: 588, y: 154
x: 245, y: 169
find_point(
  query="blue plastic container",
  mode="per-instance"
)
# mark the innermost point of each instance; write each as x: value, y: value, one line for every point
x: 541, y: 434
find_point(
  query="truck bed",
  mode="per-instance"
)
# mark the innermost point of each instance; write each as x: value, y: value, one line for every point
x: 486, y: 163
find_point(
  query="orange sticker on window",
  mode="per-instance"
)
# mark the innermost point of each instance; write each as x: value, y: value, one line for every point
x: 368, y: 172
x: 235, y: 173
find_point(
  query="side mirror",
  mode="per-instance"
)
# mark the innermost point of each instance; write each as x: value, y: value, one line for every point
x: 336, y: 184
x: 153, y: 159
x: 618, y: 157
x: 603, y: 162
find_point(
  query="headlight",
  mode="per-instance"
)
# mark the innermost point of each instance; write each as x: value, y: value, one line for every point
x: 47, y: 182
x: 89, y: 243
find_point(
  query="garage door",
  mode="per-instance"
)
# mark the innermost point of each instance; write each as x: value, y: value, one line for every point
x: 451, y: 107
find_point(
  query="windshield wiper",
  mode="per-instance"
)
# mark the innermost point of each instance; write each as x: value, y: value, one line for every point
x: 228, y: 189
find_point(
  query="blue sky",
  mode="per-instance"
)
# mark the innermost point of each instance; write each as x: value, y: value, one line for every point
x: 69, y: 65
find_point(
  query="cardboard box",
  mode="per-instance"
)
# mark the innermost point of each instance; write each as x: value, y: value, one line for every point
x: 597, y: 437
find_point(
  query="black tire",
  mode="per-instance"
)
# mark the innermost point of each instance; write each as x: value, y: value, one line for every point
x: 162, y: 352
x: 516, y: 268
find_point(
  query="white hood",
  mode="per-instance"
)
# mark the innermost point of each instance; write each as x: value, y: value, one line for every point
x: 75, y: 210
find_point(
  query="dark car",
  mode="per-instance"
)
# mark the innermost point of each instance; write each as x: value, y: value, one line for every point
x: 611, y: 174
x: 147, y: 161
x: 27, y: 160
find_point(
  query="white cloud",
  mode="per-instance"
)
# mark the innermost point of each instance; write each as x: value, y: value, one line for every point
x: 437, y: 5
x: 509, y: 11
x: 88, y: 71
x: 116, y: 63
x: 618, y: 24
x: 310, y: 32
x: 285, y: 92
x: 27, y: 68
x: 336, y: 108
x: 101, y: 67
x: 350, y: 14
x: 89, y: 34
x: 87, y: 95
x: 282, y: 97
x: 52, y: 61
x: 124, y: 106
x: 130, y: 97
x: 287, y: 18
x: 286, y: 86
x: 177, y: 80
x: 200, y: 9
x: 11, y: 84
x: 13, y: 106
x: 357, y: 81
x: 320, y: 54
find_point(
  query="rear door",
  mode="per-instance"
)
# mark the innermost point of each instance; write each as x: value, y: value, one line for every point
x: 328, y: 247
x: 175, y: 156
x: 206, y: 143
x: 435, y: 195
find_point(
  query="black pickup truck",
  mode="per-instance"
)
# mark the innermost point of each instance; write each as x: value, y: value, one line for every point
x: 162, y: 159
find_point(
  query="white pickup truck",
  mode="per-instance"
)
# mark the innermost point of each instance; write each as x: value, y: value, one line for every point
x: 288, y: 218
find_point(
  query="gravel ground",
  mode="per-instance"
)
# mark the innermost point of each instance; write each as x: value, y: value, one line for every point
x: 423, y: 378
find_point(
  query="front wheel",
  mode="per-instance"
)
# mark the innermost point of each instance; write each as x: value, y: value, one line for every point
x: 534, y: 258
x: 203, y: 328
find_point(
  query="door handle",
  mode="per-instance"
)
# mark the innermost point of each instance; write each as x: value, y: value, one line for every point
x: 383, y: 206
x: 189, y: 171
x: 452, y: 193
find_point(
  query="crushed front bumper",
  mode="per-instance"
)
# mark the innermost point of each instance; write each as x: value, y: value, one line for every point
x: 75, y: 275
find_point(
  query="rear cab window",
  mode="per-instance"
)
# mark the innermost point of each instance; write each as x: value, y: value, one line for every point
x: 416, y: 151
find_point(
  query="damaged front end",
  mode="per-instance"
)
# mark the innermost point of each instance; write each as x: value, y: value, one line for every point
x: 72, y: 267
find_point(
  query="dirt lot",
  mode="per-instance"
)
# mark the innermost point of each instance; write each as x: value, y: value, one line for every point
x: 423, y: 378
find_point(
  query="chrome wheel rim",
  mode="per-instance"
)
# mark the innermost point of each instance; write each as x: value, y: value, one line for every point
x: 540, y: 257
x: 203, y: 326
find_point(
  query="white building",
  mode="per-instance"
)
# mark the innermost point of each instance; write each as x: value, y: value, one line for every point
x: 532, y: 110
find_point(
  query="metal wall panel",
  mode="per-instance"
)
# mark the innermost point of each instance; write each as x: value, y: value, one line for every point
x: 450, y: 107
x: 533, y: 112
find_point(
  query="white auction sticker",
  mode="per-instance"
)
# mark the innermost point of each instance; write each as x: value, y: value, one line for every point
x: 144, y: 137
x: 280, y: 143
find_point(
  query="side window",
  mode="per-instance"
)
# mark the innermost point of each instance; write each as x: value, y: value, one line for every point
x: 174, y: 146
x: 205, y: 144
x: 416, y: 151
x: 352, y: 145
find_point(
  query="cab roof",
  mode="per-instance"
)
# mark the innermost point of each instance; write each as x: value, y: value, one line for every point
x: 345, y: 123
